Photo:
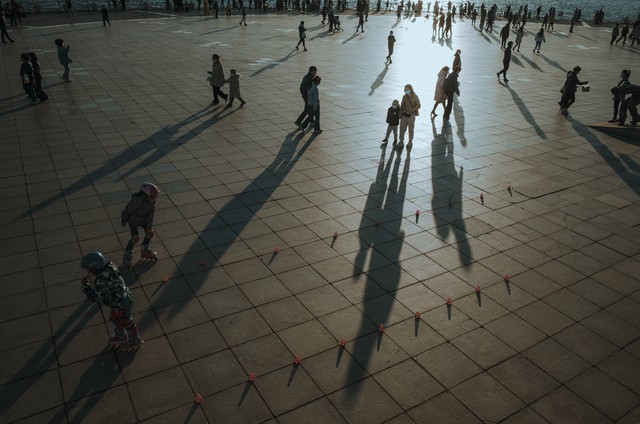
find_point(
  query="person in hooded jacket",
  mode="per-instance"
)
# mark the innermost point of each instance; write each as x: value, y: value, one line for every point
x: 440, y: 97
x: 409, y: 109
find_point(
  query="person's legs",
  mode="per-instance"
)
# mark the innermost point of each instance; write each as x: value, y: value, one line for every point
x: 616, y: 106
x: 317, y: 119
x: 303, y: 114
x: 447, y: 111
x: 215, y: 95
x: 411, y: 124
x: 386, y: 136
x: 65, y: 75
x: 395, y: 133
x: 403, y: 127
x: 309, y: 118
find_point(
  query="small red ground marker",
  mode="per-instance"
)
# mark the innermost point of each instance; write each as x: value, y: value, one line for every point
x: 198, y: 398
x: 342, y: 342
x: 297, y: 360
x: 276, y: 250
x: 251, y: 376
x: 335, y: 235
x: 509, y: 187
x: 381, y: 328
x: 165, y: 279
x: 417, y: 315
x: 481, y: 196
x: 449, y: 301
x: 507, y: 278
x: 418, y: 213
x: 477, y: 289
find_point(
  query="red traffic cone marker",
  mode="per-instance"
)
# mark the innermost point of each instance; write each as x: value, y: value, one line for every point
x: 509, y: 187
x: 507, y: 278
x: 477, y: 289
x: 165, y: 279
x: 251, y: 377
x: 449, y: 302
x: 198, y: 398
x: 335, y: 235
x: 297, y: 360
x: 381, y: 328
x: 417, y: 315
x: 276, y: 250
x: 418, y: 213
x: 342, y: 343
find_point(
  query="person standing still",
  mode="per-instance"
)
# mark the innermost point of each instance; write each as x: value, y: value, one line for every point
x: 409, y: 109
x: 391, y: 40
x: 313, y: 105
x: 105, y: 16
x: 305, y: 85
x: 506, y: 61
x: 302, y: 34
x: 539, y: 39
x: 63, y: 57
x: 217, y: 79
x: 451, y: 87
x: 393, y: 120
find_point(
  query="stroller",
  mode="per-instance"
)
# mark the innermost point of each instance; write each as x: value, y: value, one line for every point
x: 336, y: 24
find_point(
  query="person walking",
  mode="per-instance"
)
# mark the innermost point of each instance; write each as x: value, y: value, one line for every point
x: 360, y: 21
x: 457, y: 60
x: 243, y: 12
x: 234, y: 89
x: 519, y: 37
x: 139, y: 213
x: 451, y: 87
x: 391, y: 40
x: 105, y: 16
x: 504, y: 36
x: 3, y: 28
x: 539, y: 39
x: 37, y: 77
x: 63, y: 57
x: 393, y: 120
x: 440, y: 97
x: 217, y: 79
x: 302, y: 34
x: 506, y: 61
x: 409, y: 109
x: 614, y: 33
x: 623, y: 34
x: 305, y: 85
x: 569, y: 89
x: 313, y: 105
x: 624, y: 80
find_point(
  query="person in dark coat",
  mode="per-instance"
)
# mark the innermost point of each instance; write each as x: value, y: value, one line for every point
x: 28, y: 78
x: 457, y: 60
x: 37, y: 77
x: 105, y: 16
x: 624, y: 80
x: 3, y: 28
x: 393, y: 120
x: 63, y: 57
x: 504, y: 36
x: 217, y: 79
x: 302, y: 33
x: 569, y: 89
x: 506, y: 61
x: 451, y: 87
x: 305, y: 85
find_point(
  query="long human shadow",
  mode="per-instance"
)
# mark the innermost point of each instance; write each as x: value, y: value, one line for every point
x: 553, y: 63
x: 446, y: 201
x: 156, y: 146
x: 623, y: 165
x: 380, y: 225
x: 525, y: 111
x: 46, y: 357
x: 531, y: 63
x: 273, y: 64
x: 380, y: 80
x: 459, y: 118
x: 350, y: 38
x: 515, y: 60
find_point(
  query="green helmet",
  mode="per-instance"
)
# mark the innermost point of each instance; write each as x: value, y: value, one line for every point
x: 94, y: 261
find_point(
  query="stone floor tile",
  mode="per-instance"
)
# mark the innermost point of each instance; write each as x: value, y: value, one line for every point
x: 544, y: 317
x: 611, y: 328
x: 483, y: 348
x: 181, y: 315
x: 384, y: 309
x: 306, y: 339
x: 27, y: 360
x: 287, y: 389
x: 348, y: 323
x: 323, y: 300
x: 301, y: 279
x: 418, y: 298
x: 627, y: 310
x: 52, y: 416
x: 585, y: 343
x: 264, y: 290
x: 104, y: 407
x: 242, y: 327
x: 83, y: 344
x: 523, y: 378
x: 525, y: 416
x: 317, y: 412
x: 247, y: 270
x: 284, y: 313
x: 359, y: 288
x: 90, y: 376
x: 624, y: 368
x: 153, y: 356
x: 408, y: 384
x: 595, y: 292
x: 263, y: 355
x: 562, y: 406
x: 167, y: 294
x: 239, y: 405
x: 375, y: 352
x: 487, y: 398
x: 480, y: 307
x: 508, y: 295
x: 364, y: 402
x: 445, y: 409
x: 189, y: 413
x: 603, y: 392
x: 31, y: 395
x: 515, y: 332
x: 448, y: 285
x: 616, y: 280
x: 224, y: 302
x: 448, y: 364
x: 214, y: 373
x: 414, y: 336
x: 334, y: 369
x: 559, y: 362
x: 571, y: 304
x: 196, y: 342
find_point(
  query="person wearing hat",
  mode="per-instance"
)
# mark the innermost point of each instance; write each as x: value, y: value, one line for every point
x: 393, y: 120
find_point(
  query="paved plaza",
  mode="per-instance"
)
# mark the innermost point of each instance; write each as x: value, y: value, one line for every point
x: 250, y: 275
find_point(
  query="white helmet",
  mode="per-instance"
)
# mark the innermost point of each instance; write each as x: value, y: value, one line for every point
x: 149, y: 189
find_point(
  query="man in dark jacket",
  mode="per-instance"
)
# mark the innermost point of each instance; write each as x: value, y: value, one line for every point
x: 450, y: 88
x: 506, y: 61
x: 630, y: 103
x: 569, y: 89
x: 504, y: 36
x: 305, y: 85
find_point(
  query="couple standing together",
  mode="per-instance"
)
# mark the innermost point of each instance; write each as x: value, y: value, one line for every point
x: 310, y: 94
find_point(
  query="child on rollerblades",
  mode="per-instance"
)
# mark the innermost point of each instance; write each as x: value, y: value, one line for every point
x: 108, y: 288
x: 139, y: 213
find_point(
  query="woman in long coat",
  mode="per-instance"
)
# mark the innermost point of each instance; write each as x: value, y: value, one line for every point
x: 217, y: 79
x: 440, y: 96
